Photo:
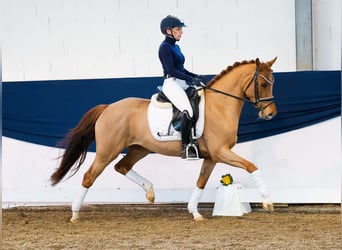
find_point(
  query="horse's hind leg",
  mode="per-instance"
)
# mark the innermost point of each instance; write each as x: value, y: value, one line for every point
x: 124, y: 166
x: 89, y: 177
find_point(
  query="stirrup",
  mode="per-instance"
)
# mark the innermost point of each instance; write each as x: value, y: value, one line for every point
x: 191, y: 146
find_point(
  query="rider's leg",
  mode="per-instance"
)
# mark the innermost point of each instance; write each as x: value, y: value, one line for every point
x: 189, y: 149
x: 174, y: 89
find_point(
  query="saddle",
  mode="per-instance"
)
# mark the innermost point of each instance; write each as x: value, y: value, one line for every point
x: 176, y: 120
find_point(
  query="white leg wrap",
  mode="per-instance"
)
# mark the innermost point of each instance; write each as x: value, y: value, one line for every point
x: 259, y: 181
x: 138, y: 179
x: 195, y: 197
x: 76, y: 205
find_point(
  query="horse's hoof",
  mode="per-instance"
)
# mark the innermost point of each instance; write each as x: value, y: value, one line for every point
x: 150, y: 195
x: 198, y: 216
x: 268, y: 205
x: 75, y: 217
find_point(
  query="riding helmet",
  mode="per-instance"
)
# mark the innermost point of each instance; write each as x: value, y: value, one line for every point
x: 170, y: 22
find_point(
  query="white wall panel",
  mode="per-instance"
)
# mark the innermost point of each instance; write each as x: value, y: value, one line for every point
x: 80, y: 39
x: 327, y: 34
x: 301, y: 166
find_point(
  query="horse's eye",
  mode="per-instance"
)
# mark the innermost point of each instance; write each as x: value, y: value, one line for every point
x: 264, y: 85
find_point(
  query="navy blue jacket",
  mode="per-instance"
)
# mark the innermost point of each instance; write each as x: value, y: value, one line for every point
x: 172, y: 60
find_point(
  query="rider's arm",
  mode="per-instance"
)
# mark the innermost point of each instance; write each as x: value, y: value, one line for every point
x: 166, y: 57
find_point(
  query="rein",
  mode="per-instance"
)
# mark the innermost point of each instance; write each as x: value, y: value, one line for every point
x: 230, y: 95
x: 256, y: 92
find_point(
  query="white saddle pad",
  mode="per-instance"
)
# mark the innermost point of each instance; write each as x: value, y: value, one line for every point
x: 159, y: 116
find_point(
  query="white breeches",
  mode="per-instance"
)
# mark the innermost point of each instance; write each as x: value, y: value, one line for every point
x: 174, y: 89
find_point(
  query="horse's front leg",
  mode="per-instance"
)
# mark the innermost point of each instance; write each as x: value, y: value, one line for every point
x: 229, y: 157
x: 207, y: 167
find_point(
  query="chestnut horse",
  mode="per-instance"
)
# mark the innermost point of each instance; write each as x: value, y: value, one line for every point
x: 123, y: 124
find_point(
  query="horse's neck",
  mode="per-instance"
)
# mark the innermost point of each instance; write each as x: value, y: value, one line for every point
x: 235, y: 81
x: 229, y: 108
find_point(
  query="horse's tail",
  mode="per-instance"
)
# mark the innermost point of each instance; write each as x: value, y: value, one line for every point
x: 77, y: 143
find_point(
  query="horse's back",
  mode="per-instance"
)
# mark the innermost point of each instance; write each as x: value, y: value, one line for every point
x: 124, y: 115
x: 128, y: 101
x: 124, y: 107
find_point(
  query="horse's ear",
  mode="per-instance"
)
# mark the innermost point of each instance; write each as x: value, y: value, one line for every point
x: 257, y: 61
x: 270, y: 63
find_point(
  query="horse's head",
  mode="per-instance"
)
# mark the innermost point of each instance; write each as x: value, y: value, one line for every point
x: 260, y: 89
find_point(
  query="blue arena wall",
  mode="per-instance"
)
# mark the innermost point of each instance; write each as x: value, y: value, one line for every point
x: 42, y: 112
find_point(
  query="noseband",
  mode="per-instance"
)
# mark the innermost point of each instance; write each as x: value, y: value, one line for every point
x: 258, y: 100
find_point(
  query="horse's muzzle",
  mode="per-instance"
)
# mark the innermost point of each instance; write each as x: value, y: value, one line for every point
x: 268, y: 113
x: 265, y: 117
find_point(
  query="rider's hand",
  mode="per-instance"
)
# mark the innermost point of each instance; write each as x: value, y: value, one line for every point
x: 198, y: 82
x: 202, y: 79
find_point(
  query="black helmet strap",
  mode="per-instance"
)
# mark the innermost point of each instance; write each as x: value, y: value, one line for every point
x: 168, y: 35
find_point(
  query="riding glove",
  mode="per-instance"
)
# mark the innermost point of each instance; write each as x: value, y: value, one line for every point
x: 198, y: 82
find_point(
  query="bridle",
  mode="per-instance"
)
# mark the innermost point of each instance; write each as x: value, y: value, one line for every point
x: 258, y: 100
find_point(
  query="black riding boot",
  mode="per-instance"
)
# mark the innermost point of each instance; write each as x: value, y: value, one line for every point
x: 189, y: 148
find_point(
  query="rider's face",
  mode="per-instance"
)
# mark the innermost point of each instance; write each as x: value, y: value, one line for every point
x: 176, y: 32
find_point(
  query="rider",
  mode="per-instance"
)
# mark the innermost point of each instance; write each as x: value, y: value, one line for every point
x: 177, y: 79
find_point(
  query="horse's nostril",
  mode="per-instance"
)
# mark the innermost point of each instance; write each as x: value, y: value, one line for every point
x: 268, y: 116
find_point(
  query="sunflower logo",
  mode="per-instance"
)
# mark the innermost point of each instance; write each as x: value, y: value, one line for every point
x: 227, y: 179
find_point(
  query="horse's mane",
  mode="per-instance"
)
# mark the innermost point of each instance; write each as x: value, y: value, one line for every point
x: 228, y: 69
